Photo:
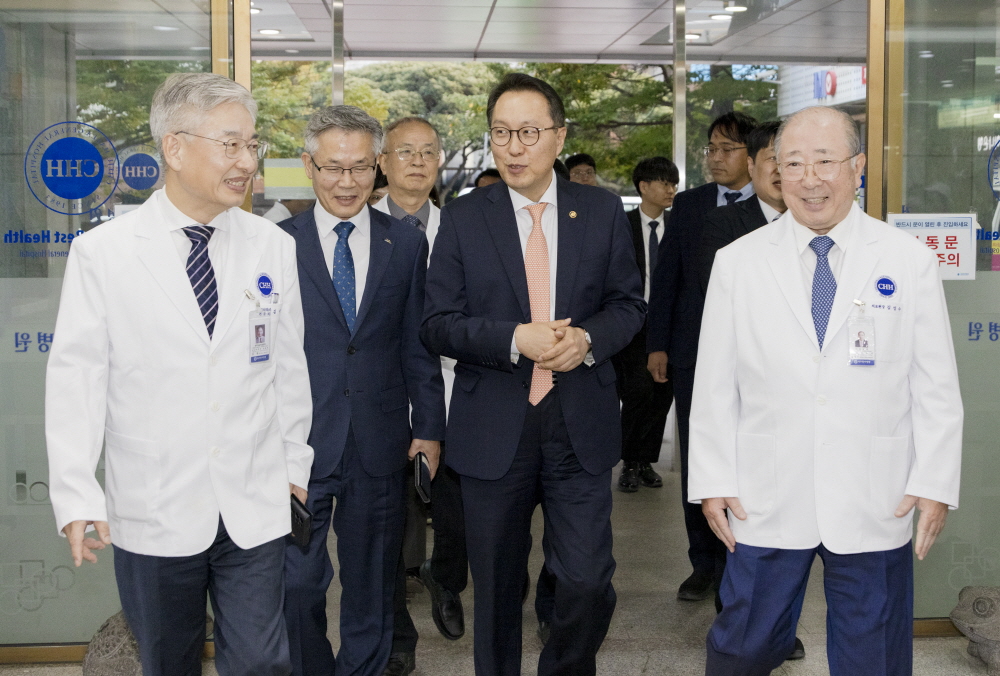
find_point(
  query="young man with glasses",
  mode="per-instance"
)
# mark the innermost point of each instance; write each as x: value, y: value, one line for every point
x: 582, y: 168
x: 362, y: 275
x: 675, y: 303
x: 532, y: 287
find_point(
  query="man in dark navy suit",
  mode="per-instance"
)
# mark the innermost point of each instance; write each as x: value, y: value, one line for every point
x: 532, y: 287
x: 362, y: 277
x: 675, y: 305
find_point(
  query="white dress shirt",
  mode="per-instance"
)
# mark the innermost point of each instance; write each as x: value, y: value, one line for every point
x: 359, y: 242
x: 646, y: 232
x: 175, y: 220
x: 840, y: 234
x: 770, y: 213
x: 746, y: 192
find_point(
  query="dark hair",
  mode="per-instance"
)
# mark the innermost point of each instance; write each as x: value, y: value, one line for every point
x: 761, y: 137
x: 574, y: 161
x: 655, y: 169
x: 487, y: 173
x: 380, y: 179
x: 735, y: 126
x: 519, y: 82
x: 561, y: 168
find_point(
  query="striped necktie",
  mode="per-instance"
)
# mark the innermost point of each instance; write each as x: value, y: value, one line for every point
x: 536, y: 267
x: 824, y: 286
x: 201, y: 274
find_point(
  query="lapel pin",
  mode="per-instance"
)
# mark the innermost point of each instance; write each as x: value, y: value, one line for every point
x: 572, y: 214
x: 388, y: 241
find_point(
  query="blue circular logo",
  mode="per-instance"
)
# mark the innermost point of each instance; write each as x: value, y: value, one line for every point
x: 264, y: 285
x: 71, y: 168
x: 140, y: 171
x: 885, y: 286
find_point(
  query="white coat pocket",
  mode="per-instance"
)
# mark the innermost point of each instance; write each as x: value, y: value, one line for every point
x: 755, y: 467
x: 131, y: 475
x: 270, y: 471
x: 889, y: 470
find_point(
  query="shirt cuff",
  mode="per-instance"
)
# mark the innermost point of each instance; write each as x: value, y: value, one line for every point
x: 515, y: 354
x: 589, y: 359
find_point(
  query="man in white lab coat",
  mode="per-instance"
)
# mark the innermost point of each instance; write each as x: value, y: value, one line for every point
x: 813, y: 446
x: 204, y: 427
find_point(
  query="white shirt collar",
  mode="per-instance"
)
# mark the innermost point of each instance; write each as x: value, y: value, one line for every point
x: 746, y: 191
x: 644, y: 219
x: 840, y: 234
x: 770, y: 213
x: 326, y: 222
x: 520, y: 201
x: 176, y: 219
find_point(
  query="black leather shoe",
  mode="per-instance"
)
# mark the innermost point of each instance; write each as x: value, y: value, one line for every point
x: 648, y: 477
x: 628, y: 482
x: 400, y: 664
x: 799, y: 652
x: 446, y: 608
x: 544, y: 629
x: 697, y: 587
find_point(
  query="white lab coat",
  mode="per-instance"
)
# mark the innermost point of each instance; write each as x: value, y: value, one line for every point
x: 815, y: 449
x: 433, y: 223
x: 191, y: 428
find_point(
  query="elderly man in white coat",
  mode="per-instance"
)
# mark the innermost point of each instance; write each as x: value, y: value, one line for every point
x: 204, y: 427
x: 817, y: 446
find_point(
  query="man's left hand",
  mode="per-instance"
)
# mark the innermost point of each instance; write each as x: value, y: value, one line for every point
x: 930, y: 523
x: 568, y: 353
x: 300, y: 493
x: 432, y: 449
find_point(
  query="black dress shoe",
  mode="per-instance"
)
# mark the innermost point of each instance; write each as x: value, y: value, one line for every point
x: 628, y: 482
x: 697, y: 587
x: 446, y: 608
x: 400, y: 664
x: 544, y: 629
x: 798, y: 652
x: 648, y: 477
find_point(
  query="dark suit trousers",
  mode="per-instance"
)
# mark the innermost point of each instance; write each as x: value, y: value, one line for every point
x: 368, y: 521
x: 706, y: 551
x: 577, y: 545
x: 645, y: 403
x: 164, y: 602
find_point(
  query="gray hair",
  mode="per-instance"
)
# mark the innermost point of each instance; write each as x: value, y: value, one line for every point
x: 852, y: 135
x: 412, y: 119
x: 344, y: 118
x: 179, y: 100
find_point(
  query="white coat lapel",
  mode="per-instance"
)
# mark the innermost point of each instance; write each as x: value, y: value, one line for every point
x: 859, y: 261
x: 242, y: 259
x: 786, y: 266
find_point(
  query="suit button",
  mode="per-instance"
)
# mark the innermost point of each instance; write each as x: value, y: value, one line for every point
x: 214, y: 361
x: 351, y: 349
x: 816, y: 359
x: 347, y: 393
x: 215, y: 406
x: 821, y: 400
x: 524, y: 385
x: 215, y: 451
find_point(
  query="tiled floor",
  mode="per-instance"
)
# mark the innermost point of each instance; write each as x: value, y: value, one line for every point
x: 652, y: 632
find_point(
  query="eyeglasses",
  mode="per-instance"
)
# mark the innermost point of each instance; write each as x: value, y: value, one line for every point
x: 825, y: 170
x: 236, y: 146
x: 725, y: 151
x: 406, y: 154
x: 582, y: 173
x: 337, y: 172
x: 501, y: 136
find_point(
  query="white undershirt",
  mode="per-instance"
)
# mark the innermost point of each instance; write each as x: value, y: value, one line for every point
x: 174, y: 220
x: 840, y: 234
x: 359, y: 242
x: 770, y: 213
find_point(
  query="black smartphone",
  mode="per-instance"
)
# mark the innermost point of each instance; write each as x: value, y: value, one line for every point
x: 422, y: 477
x: 301, y: 524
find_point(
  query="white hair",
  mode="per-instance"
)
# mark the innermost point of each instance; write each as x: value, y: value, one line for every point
x: 179, y: 101
x: 852, y: 135
x: 344, y: 118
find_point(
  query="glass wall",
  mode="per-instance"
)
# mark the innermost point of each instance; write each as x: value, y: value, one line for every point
x: 75, y: 83
x: 947, y: 86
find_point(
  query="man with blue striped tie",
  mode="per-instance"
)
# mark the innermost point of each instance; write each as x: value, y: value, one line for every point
x: 180, y: 350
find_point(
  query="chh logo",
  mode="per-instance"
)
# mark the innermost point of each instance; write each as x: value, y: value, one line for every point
x: 71, y: 168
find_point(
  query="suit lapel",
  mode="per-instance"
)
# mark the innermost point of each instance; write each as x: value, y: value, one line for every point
x: 570, y: 247
x: 753, y: 215
x: 640, y: 246
x: 859, y: 261
x: 381, y: 252
x: 786, y: 266
x: 502, y: 224
x: 310, y: 254
x: 241, y: 263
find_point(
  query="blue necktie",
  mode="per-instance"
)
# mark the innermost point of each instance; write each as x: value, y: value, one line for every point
x: 732, y: 197
x: 343, y: 273
x: 201, y: 274
x: 654, y: 244
x: 824, y: 286
x: 414, y: 222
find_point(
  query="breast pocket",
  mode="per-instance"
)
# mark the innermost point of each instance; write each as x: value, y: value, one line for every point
x: 388, y: 290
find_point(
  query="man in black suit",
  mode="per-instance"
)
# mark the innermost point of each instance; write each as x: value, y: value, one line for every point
x: 675, y: 304
x: 645, y: 402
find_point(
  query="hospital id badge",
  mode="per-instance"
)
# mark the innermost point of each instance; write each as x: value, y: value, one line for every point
x: 861, y: 340
x: 260, y: 335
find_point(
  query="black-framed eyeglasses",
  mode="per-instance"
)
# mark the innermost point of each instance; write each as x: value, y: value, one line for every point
x: 336, y: 172
x: 527, y: 135
x: 236, y: 146
x: 407, y: 154
x: 725, y: 151
x: 825, y: 170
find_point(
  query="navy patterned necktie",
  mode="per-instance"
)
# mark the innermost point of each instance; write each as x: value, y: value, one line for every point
x: 201, y: 274
x: 343, y: 273
x: 414, y: 222
x: 824, y: 286
x: 733, y: 196
x: 654, y: 243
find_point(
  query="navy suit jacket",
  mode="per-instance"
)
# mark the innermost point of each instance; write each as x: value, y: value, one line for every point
x: 675, y: 296
x: 722, y: 227
x: 477, y: 294
x: 367, y: 381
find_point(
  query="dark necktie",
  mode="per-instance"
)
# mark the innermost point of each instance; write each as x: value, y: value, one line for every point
x: 654, y: 244
x: 733, y: 196
x: 824, y: 286
x: 201, y: 274
x: 414, y: 222
x: 343, y: 273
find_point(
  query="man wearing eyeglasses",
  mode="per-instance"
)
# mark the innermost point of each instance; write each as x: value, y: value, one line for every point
x: 532, y: 287
x: 675, y: 304
x: 203, y: 416
x: 362, y: 274
x: 817, y: 448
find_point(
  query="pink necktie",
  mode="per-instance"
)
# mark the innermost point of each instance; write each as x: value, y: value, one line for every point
x: 536, y: 267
